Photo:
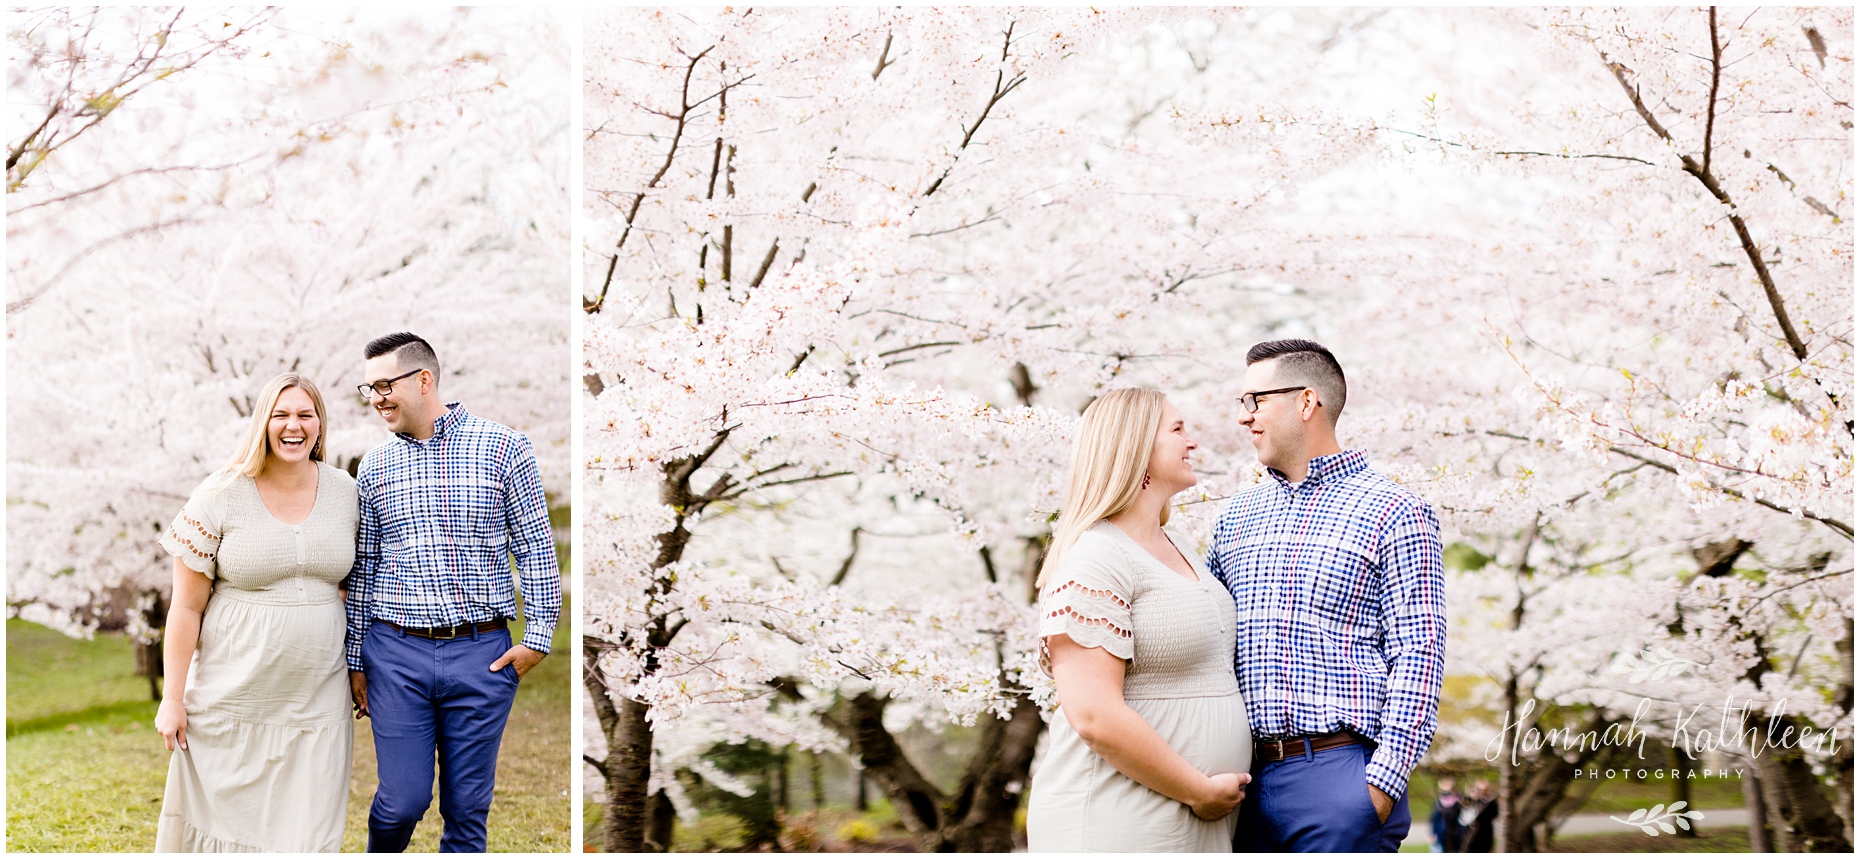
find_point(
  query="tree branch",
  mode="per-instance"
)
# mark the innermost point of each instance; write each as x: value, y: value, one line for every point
x: 1711, y: 103
x: 671, y: 155
x: 883, y: 64
x: 1702, y: 172
x: 1840, y: 527
x: 846, y: 565
x: 1000, y: 92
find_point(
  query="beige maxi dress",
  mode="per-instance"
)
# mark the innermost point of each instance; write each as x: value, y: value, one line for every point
x: 269, y: 733
x: 1177, y: 638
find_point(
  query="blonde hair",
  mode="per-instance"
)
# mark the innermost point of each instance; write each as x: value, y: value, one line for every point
x: 249, y: 457
x: 1110, y: 456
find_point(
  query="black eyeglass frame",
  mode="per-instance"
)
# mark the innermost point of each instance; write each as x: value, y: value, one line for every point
x: 1250, y: 400
x: 370, y: 388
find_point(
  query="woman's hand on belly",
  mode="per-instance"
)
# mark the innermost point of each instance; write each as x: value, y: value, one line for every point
x: 1225, y: 791
x: 1091, y: 694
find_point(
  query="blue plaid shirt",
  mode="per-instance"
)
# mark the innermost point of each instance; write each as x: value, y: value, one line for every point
x: 440, y: 519
x: 1341, y: 594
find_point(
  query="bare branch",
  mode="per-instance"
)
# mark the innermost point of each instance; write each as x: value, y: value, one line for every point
x: 1000, y: 92
x: 1751, y: 250
x: 26, y: 301
x: 1711, y: 102
x: 686, y: 106
x: 768, y: 260
x: 883, y: 63
x: 846, y: 565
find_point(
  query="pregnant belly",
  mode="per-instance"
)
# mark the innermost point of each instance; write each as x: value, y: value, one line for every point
x: 270, y: 662
x: 1209, y: 733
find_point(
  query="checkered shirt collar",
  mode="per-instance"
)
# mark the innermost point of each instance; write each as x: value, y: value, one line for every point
x: 455, y: 412
x: 1329, y: 467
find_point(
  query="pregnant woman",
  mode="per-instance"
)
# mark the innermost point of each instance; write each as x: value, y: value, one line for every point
x: 256, y: 708
x: 1149, y: 750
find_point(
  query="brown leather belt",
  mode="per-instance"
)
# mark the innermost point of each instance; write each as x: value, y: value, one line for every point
x: 442, y: 633
x: 1267, y: 750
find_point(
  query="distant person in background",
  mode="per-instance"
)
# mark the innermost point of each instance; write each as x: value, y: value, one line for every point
x: 1446, y: 819
x: 256, y: 705
x: 449, y: 505
x: 1478, y: 819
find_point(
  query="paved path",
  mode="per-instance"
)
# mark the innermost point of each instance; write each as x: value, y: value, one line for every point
x: 1598, y: 823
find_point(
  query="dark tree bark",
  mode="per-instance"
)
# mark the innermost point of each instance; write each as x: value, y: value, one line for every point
x: 1682, y: 788
x: 627, y: 767
x: 628, y: 741
x: 1759, y: 814
x: 1535, y: 789
x: 659, y: 827
x: 978, y: 817
x: 1803, y: 819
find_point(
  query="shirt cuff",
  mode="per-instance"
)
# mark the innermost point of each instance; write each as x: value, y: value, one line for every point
x: 536, y: 637
x: 1390, y: 780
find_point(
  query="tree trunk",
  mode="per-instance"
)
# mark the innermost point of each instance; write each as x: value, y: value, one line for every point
x: 148, y: 654
x: 1504, y: 827
x: 629, y: 766
x: 1843, y: 762
x: 1682, y: 787
x: 979, y: 816
x: 817, y: 779
x: 1803, y: 818
x: 659, y: 827
x: 1759, y: 816
x: 1535, y: 788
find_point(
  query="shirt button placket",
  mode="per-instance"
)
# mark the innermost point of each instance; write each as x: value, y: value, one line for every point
x: 298, y: 531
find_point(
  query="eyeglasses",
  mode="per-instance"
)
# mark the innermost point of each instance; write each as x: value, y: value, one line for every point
x: 383, y: 387
x: 1250, y: 401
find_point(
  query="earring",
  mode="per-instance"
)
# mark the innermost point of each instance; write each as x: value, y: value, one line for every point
x: 1146, y: 481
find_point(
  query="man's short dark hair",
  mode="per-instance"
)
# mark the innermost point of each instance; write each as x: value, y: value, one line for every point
x: 410, y: 351
x: 1304, y: 362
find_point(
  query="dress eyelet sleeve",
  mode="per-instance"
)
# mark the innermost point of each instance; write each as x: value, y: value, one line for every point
x: 194, y: 536
x: 1089, y: 601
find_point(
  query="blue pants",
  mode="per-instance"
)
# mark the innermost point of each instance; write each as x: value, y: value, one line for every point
x: 1317, y: 804
x: 430, y: 696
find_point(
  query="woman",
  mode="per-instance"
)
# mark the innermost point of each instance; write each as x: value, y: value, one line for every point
x: 256, y: 706
x: 1149, y: 749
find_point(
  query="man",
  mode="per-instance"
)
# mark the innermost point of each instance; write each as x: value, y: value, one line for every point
x: 1478, y: 818
x: 444, y: 504
x: 1337, y: 575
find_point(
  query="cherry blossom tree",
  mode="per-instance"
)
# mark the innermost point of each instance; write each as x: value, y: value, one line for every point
x: 846, y: 292
x: 202, y: 200
x: 1684, y: 319
x: 875, y: 275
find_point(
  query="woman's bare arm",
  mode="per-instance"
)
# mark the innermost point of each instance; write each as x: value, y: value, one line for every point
x: 1091, y: 694
x: 182, y: 636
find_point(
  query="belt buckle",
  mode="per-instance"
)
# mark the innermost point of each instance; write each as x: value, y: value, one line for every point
x: 452, y: 632
x: 1280, y: 743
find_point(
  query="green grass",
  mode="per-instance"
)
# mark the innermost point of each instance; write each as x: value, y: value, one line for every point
x: 86, y: 769
x: 49, y: 675
x: 1724, y: 840
x: 832, y: 829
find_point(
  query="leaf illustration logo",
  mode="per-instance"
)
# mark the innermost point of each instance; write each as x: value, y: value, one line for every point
x: 1652, y: 665
x: 1655, y: 820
